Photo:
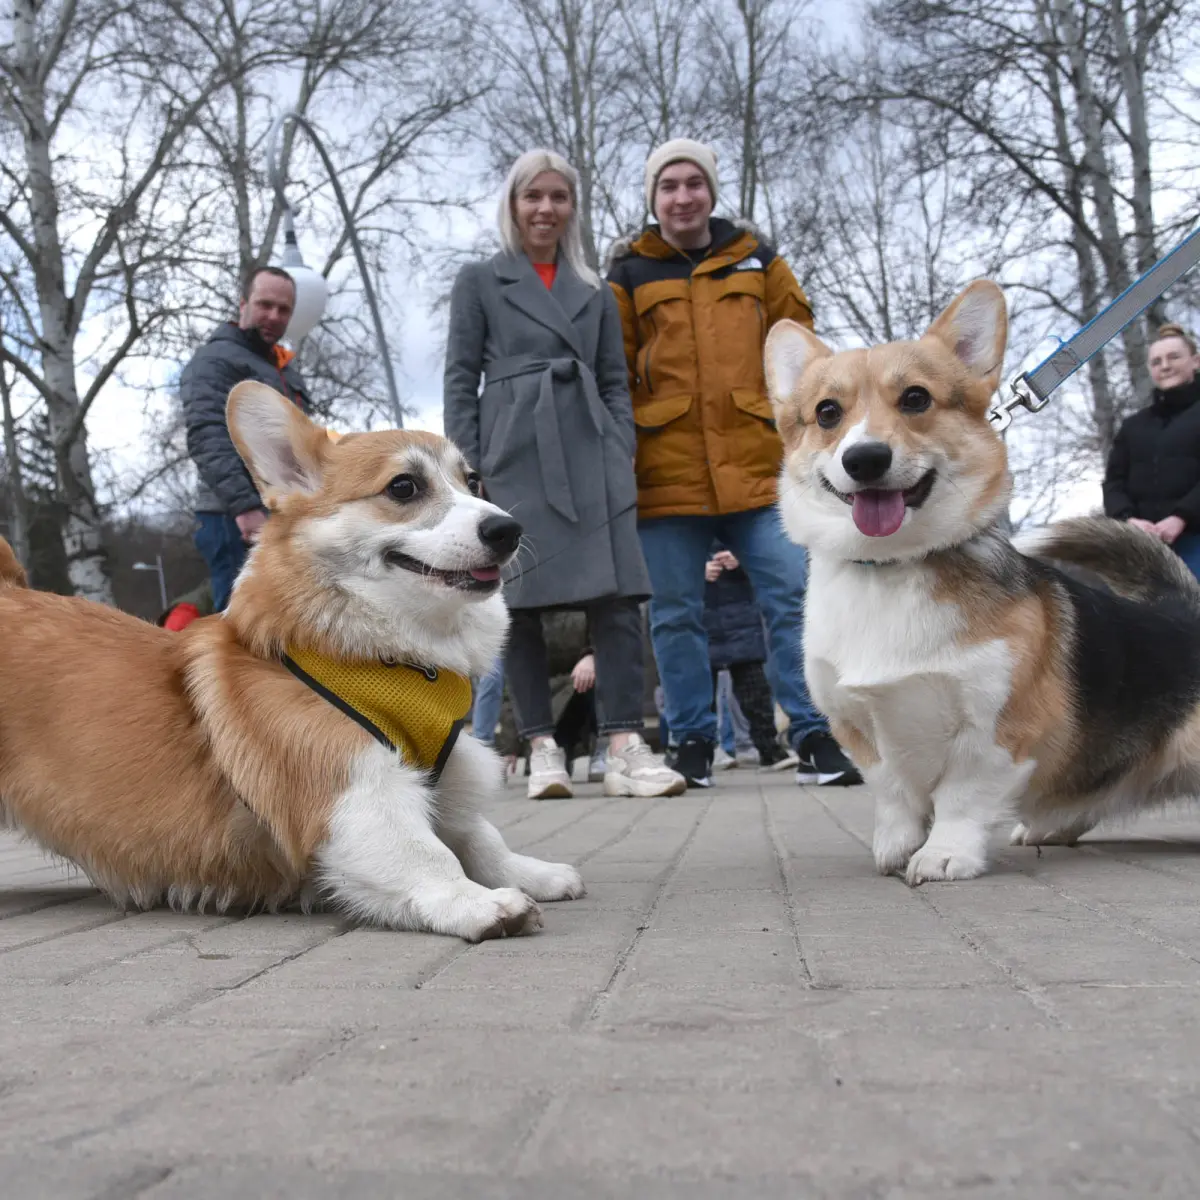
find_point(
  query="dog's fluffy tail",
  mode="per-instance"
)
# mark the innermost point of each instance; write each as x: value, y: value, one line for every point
x: 1132, y: 563
x: 12, y: 574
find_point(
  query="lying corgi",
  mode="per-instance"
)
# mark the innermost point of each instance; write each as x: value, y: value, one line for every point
x: 305, y: 743
x: 972, y: 682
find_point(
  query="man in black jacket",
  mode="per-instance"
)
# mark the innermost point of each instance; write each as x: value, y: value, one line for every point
x: 1153, y: 475
x: 229, y: 511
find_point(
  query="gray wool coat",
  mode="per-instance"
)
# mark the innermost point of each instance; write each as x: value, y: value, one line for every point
x: 551, y: 432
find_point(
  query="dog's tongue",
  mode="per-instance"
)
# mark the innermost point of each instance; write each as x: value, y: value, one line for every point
x: 485, y: 574
x: 878, y: 513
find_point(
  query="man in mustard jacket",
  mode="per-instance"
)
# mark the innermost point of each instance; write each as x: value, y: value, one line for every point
x: 697, y: 295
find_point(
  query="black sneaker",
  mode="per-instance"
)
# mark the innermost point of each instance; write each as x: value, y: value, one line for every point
x: 823, y: 762
x: 693, y: 759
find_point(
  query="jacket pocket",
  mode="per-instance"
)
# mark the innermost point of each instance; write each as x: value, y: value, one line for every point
x: 662, y: 308
x: 742, y: 283
x: 653, y: 415
x: 754, y: 404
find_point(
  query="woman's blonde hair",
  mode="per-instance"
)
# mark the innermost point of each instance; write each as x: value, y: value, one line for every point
x: 1171, y: 330
x: 524, y: 171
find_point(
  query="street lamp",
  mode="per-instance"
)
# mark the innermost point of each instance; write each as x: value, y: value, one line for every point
x: 157, y: 567
x: 312, y: 290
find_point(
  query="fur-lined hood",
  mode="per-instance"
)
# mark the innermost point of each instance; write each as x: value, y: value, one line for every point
x: 624, y: 247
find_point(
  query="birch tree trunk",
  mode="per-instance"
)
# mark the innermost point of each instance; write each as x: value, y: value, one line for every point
x: 82, y: 533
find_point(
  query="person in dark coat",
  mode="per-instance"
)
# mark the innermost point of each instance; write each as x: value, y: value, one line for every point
x: 229, y: 511
x: 1153, y: 474
x: 736, y: 643
x: 551, y: 434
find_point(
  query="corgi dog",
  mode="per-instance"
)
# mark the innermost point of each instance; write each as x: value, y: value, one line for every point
x: 1053, y: 683
x: 305, y: 743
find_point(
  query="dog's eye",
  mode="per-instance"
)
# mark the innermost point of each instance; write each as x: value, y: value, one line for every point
x: 403, y: 488
x: 829, y: 413
x: 915, y: 400
x: 474, y: 484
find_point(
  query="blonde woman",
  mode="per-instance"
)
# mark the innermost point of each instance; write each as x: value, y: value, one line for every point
x: 551, y: 433
x: 1153, y: 475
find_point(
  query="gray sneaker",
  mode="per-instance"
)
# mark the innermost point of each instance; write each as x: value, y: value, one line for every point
x: 637, y: 771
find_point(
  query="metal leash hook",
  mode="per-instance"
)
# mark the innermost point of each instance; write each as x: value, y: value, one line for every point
x: 1022, y: 396
x: 1031, y: 390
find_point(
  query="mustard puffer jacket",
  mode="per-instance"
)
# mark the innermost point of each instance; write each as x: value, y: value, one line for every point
x: 694, y: 333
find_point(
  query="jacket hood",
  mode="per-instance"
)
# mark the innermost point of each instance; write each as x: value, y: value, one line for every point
x: 651, y: 243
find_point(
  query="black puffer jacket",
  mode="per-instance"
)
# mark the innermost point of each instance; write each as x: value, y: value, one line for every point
x: 733, y: 621
x: 1154, y: 467
x: 229, y: 356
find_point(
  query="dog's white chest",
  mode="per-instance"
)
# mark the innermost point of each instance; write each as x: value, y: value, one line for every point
x: 884, y: 656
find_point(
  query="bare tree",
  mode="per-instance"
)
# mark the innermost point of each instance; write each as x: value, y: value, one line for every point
x: 1044, y: 109
x: 84, y: 230
x: 752, y: 62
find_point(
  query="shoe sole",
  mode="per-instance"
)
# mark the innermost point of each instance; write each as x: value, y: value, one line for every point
x: 622, y: 785
x: 552, y: 791
x: 837, y: 779
x: 792, y: 760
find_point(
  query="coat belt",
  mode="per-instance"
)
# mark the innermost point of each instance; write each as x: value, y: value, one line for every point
x: 551, y: 455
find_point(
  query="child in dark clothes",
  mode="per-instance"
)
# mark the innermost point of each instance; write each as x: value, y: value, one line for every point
x: 736, y: 642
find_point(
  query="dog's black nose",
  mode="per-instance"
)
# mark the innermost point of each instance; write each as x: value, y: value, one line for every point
x: 867, y: 462
x: 500, y: 533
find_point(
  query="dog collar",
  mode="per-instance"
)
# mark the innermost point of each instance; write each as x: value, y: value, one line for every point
x: 416, y: 711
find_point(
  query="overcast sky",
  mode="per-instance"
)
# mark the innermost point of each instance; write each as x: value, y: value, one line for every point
x: 117, y: 423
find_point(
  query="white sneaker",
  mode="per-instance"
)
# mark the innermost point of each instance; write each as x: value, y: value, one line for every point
x: 723, y: 760
x: 548, y: 778
x: 637, y: 771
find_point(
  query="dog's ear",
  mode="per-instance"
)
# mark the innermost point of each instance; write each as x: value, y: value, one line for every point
x: 789, y: 351
x: 281, y: 447
x: 975, y: 328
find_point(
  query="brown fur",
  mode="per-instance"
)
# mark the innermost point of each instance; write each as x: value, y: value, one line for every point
x: 192, y: 765
x: 11, y: 571
x: 1039, y: 719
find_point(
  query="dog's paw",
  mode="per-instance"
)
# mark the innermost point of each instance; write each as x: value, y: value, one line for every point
x: 894, y: 847
x: 546, y: 881
x: 943, y: 863
x: 504, y: 912
x: 1023, y: 835
x: 895, y: 844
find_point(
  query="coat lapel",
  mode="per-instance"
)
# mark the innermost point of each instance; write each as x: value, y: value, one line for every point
x: 525, y: 291
x: 570, y: 291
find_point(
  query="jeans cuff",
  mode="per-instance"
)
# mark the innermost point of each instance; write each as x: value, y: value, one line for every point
x: 620, y: 727
x: 795, y: 738
x: 537, y: 731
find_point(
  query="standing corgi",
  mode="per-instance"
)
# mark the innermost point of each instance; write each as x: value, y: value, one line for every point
x: 972, y: 682
x: 307, y: 741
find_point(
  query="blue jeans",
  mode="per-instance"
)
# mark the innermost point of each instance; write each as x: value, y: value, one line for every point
x: 1187, y: 546
x: 219, y: 541
x: 734, y: 728
x: 676, y: 549
x: 489, y: 694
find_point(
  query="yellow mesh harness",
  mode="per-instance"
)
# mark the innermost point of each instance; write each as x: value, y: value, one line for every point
x: 416, y: 711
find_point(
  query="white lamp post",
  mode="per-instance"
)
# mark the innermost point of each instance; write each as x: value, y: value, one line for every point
x: 312, y: 290
x: 157, y: 567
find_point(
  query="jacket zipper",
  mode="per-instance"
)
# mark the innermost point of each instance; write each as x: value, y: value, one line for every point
x: 646, y: 360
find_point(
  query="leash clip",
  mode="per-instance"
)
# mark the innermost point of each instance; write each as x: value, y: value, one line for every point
x: 1023, y: 396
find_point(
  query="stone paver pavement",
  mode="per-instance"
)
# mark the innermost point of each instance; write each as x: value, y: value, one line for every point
x: 740, y: 1007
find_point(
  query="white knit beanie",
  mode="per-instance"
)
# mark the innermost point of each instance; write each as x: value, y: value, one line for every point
x: 680, y: 150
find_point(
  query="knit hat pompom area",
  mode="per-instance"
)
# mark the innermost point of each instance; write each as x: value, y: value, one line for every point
x: 680, y: 150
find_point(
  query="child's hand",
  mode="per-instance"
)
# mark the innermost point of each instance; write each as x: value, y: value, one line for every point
x: 584, y: 674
